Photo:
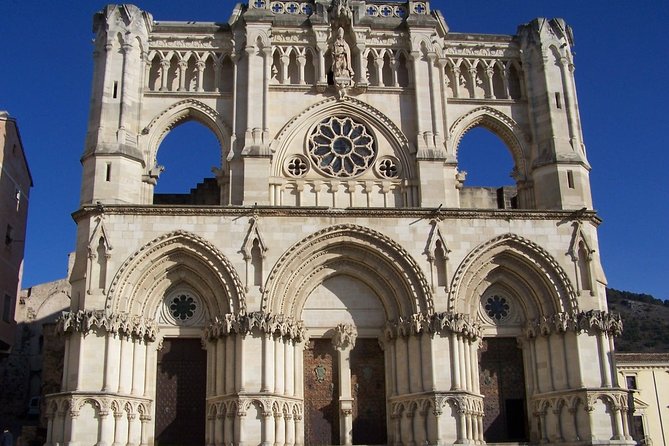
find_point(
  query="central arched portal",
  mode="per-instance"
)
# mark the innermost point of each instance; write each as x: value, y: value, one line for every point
x: 344, y: 365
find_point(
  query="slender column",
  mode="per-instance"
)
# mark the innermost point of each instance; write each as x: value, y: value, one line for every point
x: 133, y: 430
x: 435, y: 92
x: 551, y: 366
x: 462, y: 362
x: 473, y: 77
x: 71, y: 428
x: 393, y: 368
x: 455, y: 361
x: 456, y: 81
x: 299, y: 430
x: 229, y: 428
x: 106, y: 428
x: 603, y: 360
x: 118, y: 429
x: 239, y: 377
x: 558, y: 424
x: 125, y: 371
x: 285, y: 61
x: 268, y: 428
x: 183, y: 65
x: 617, y: 415
x: 542, y: 423
x: 126, y: 48
x: 150, y: 365
x: 218, y: 429
x: 139, y: 355
x: 49, y: 429
x: 210, y: 433
x: 574, y: 417
x: 279, y: 357
x: 466, y: 351
x: 268, y: 364
x: 301, y: 62
x: 419, y: 436
x: 200, y: 65
x: 112, y: 359
x: 473, y: 349
x: 475, y: 427
x: 211, y: 368
x: 280, y: 430
x: 394, y: 65
x: 322, y: 49
x: 239, y: 428
x: 470, y: 429
x: 290, y: 429
x: 147, y: 72
x: 164, y: 72
x: 564, y: 73
x: 462, y: 425
x: 218, y: 353
x: 505, y: 81
x: 229, y: 364
x: 58, y: 435
x: 144, y: 430
x: 289, y: 363
x: 218, y: 66
x: 397, y: 428
x: 267, y: 66
x: 378, y: 65
x: 490, y: 73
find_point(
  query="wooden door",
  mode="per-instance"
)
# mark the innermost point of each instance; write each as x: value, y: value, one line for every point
x: 181, y: 393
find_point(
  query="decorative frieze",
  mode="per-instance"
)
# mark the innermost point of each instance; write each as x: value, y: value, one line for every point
x: 246, y: 323
x: 438, y: 323
x: 589, y: 321
x: 124, y: 324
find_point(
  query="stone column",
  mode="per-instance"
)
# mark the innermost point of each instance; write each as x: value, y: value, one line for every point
x: 280, y: 430
x: 200, y: 65
x: 118, y: 431
x: 218, y: 433
x: 343, y: 341
x: 144, y: 429
x: 299, y: 430
x: 490, y: 73
x: 112, y: 362
x: 49, y: 429
x: 183, y: 65
x: 290, y: 429
x: 268, y: 428
x: 164, y: 72
x: 106, y: 428
x: 138, y: 357
x: 301, y: 62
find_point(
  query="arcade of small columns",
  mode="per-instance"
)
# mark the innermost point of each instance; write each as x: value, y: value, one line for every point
x: 427, y: 403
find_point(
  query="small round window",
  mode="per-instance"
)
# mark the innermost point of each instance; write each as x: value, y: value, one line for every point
x: 181, y: 307
x: 497, y: 307
x: 341, y: 147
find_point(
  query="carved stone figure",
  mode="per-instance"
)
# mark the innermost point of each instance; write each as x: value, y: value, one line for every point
x: 341, y: 56
x: 342, y: 9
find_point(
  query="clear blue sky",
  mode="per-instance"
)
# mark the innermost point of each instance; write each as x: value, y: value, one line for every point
x: 622, y: 62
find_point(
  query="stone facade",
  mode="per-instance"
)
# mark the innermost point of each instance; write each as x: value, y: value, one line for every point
x: 15, y: 184
x: 340, y: 217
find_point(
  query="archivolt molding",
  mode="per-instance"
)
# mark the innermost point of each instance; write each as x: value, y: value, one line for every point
x: 194, y: 256
x: 246, y: 323
x: 592, y: 321
x: 503, y: 126
x: 442, y: 323
x: 123, y: 324
x: 166, y: 120
x: 354, y: 250
x: 544, y: 271
x: 350, y: 107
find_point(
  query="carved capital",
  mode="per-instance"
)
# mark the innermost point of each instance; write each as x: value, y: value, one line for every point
x: 344, y: 337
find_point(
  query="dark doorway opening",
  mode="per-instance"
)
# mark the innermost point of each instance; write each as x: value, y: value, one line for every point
x: 369, y: 393
x: 181, y: 393
x: 503, y: 388
x: 321, y: 393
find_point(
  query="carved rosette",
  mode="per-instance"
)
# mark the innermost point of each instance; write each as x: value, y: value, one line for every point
x: 588, y: 321
x: 344, y: 336
x: 438, y: 323
x: 123, y: 324
x: 246, y: 323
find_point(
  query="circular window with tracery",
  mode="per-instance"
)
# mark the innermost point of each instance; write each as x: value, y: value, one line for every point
x: 341, y: 147
x: 497, y: 307
x: 181, y: 307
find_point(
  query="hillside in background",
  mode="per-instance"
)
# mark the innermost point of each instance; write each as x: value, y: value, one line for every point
x: 645, y: 321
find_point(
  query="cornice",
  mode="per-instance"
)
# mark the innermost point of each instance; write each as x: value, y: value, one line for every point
x: 88, y: 211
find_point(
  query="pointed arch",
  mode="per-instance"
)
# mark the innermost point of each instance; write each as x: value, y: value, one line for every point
x: 354, y: 108
x: 179, y: 112
x: 356, y: 251
x: 173, y: 259
x: 501, y: 125
x: 539, y: 283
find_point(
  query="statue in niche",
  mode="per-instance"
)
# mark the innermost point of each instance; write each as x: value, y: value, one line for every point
x: 341, y: 56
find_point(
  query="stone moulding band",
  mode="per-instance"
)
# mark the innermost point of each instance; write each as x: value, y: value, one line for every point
x: 124, y: 324
x: 246, y: 323
x: 588, y: 321
x: 437, y: 323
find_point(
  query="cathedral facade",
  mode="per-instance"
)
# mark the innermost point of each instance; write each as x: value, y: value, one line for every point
x: 336, y: 282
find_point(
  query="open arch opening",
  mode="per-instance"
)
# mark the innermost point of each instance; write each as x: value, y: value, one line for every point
x: 187, y: 155
x: 485, y: 167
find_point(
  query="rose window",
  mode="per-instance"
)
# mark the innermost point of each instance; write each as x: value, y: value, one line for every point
x: 182, y: 307
x: 497, y: 307
x: 341, y: 147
